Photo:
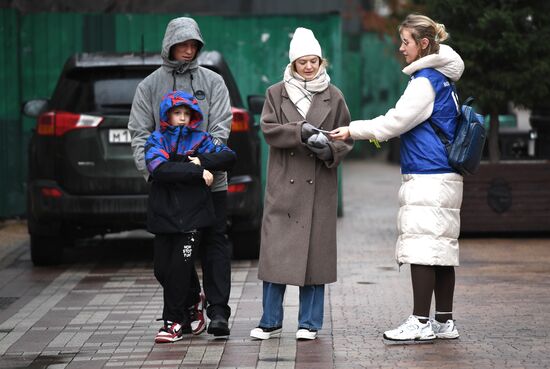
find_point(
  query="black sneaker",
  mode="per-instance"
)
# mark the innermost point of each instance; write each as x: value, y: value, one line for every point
x: 218, y: 327
x: 262, y: 333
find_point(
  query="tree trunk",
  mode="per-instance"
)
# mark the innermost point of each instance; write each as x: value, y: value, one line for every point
x: 494, y: 151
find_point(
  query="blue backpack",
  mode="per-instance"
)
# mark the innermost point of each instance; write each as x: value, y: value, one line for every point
x: 465, y: 151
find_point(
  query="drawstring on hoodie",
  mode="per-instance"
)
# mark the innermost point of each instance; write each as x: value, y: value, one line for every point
x: 174, y: 80
x: 199, y: 94
x: 178, y: 70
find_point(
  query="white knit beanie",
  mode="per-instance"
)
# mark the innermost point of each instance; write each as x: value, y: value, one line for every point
x: 303, y: 43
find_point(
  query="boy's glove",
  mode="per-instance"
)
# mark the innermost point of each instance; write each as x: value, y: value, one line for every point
x: 307, y: 131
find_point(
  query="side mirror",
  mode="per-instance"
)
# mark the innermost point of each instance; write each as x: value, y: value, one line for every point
x: 33, y: 108
x: 256, y: 103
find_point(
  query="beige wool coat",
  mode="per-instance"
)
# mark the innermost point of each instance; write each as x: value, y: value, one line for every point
x: 298, y: 242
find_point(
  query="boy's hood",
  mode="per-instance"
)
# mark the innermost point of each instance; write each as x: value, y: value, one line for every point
x: 178, y: 98
x: 180, y: 30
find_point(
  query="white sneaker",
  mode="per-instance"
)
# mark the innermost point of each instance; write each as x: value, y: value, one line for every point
x: 445, y: 331
x: 306, y: 334
x: 265, y: 333
x: 412, y: 329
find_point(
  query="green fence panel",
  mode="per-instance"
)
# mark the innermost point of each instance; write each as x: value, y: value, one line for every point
x: 373, y: 80
x: 380, y: 89
x: 352, y: 82
x: 11, y: 170
x: 140, y: 32
x: 47, y: 40
x: 98, y: 31
x: 352, y: 67
x: 384, y: 87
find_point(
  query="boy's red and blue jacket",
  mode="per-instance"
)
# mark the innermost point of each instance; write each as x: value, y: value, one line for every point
x: 179, y: 199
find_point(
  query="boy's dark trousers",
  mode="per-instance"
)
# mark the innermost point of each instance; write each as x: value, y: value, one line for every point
x: 174, y: 267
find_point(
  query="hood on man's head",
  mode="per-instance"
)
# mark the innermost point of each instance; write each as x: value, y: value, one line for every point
x: 178, y: 98
x: 179, y: 30
x: 303, y: 43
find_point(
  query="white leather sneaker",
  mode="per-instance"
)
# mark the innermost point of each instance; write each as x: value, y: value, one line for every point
x: 445, y: 331
x: 411, y: 330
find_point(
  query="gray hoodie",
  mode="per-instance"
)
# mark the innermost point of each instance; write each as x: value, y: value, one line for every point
x: 186, y: 76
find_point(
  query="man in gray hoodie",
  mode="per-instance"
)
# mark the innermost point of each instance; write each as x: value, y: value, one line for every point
x: 181, y: 46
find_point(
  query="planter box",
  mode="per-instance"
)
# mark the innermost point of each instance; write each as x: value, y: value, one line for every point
x: 510, y: 196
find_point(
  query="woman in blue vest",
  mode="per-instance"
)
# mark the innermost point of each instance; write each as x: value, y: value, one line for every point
x: 431, y: 192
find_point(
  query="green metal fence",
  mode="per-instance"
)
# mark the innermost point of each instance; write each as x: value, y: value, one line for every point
x: 11, y: 141
x: 35, y: 46
x: 372, y: 81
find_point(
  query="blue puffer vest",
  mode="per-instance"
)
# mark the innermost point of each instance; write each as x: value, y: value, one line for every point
x: 422, y: 152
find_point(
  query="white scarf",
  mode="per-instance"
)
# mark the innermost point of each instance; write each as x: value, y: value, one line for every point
x: 301, y: 91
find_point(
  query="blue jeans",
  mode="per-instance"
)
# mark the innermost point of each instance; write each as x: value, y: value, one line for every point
x: 312, y: 300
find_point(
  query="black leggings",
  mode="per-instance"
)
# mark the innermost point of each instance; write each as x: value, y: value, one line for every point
x: 427, y: 279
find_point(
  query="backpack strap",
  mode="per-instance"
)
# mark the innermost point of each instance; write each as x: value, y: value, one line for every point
x: 438, y: 130
x: 468, y: 101
x: 441, y: 136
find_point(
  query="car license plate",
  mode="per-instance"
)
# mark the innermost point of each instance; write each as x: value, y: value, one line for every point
x: 119, y: 136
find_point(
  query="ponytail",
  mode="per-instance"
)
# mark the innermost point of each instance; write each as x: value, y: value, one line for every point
x: 421, y: 27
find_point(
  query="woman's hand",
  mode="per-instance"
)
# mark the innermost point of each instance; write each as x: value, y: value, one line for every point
x: 195, y: 160
x: 208, y: 177
x: 341, y: 133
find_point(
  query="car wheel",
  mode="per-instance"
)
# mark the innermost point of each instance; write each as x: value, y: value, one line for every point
x: 246, y: 244
x: 46, y: 250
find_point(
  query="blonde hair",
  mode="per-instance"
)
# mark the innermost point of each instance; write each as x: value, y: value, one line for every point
x: 421, y: 27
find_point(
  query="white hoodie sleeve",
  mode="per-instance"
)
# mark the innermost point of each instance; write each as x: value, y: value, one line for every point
x: 414, y: 107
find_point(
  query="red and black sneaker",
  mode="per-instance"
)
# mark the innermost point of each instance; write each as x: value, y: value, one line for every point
x: 170, y: 332
x: 198, y: 316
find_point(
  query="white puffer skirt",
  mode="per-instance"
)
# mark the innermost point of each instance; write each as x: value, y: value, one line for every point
x: 429, y: 219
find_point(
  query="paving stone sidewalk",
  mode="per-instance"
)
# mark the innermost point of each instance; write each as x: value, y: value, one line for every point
x: 100, y: 313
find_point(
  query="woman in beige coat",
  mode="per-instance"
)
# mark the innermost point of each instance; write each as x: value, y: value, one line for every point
x: 299, y: 226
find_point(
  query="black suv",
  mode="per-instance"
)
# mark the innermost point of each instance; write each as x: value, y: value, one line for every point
x: 82, y: 180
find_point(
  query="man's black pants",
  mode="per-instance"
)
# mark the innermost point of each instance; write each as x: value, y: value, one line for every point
x: 215, y: 254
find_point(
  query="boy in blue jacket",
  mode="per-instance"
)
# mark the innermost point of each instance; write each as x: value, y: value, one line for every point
x: 180, y: 159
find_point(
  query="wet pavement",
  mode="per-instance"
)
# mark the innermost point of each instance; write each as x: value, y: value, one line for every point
x: 98, y: 310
